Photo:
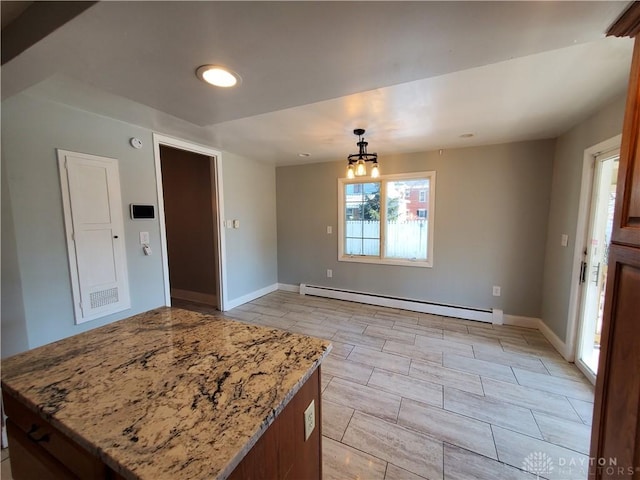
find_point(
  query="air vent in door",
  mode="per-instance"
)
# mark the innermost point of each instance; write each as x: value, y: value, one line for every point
x: 104, y: 297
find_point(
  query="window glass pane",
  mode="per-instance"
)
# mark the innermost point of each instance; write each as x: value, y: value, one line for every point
x: 362, y: 219
x: 354, y: 211
x: 362, y: 246
x: 371, y: 246
x: 407, y: 210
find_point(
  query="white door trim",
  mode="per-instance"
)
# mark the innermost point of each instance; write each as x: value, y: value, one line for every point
x: 582, y: 227
x: 216, y: 155
x: 585, y: 370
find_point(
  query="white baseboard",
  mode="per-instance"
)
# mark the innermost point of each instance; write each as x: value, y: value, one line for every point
x: 526, y: 322
x: 538, y: 324
x: 206, y: 298
x: 558, y: 344
x: 289, y: 288
x: 236, y: 302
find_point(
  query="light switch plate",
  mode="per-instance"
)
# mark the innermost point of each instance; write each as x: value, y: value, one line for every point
x: 236, y: 224
x: 309, y: 420
x: 329, y: 229
x: 144, y: 238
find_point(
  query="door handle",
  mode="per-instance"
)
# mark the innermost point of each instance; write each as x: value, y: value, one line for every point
x: 31, y: 434
x: 597, y: 274
x: 583, y: 272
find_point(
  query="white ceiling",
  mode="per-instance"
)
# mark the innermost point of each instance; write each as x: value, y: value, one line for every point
x: 416, y: 75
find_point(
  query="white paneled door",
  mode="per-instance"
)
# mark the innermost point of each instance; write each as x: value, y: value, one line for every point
x: 95, y: 234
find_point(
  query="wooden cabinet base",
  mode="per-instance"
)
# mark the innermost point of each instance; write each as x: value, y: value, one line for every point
x: 30, y: 462
x: 282, y: 452
x: 37, y: 447
x: 40, y: 451
x: 616, y: 420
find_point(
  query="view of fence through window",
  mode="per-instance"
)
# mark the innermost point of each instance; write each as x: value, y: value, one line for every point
x: 362, y: 218
x: 406, y: 207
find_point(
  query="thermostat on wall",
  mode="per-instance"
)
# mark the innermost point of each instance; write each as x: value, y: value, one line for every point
x: 140, y: 212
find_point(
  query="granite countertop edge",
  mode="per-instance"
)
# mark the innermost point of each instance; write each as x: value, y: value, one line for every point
x: 116, y: 464
x: 233, y: 463
x: 123, y: 470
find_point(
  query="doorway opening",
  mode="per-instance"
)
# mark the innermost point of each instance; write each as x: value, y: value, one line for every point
x: 593, y: 270
x: 190, y: 211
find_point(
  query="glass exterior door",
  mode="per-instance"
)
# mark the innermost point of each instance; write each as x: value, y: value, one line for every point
x: 594, y: 266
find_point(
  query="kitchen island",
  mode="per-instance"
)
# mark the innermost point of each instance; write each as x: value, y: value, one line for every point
x: 169, y: 393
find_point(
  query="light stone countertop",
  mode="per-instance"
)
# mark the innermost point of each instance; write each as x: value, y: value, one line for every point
x: 168, y: 393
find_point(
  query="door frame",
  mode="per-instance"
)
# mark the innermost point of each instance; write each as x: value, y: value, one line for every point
x: 582, y: 227
x: 216, y: 186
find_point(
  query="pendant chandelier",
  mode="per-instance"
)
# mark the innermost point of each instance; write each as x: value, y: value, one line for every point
x: 357, y: 161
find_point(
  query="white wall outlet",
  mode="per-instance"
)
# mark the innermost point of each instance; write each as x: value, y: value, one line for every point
x: 329, y: 229
x: 564, y: 240
x: 496, y: 291
x: 309, y: 420
x: 329, y: 273
x: 144, y: 238
x: 236, y: 224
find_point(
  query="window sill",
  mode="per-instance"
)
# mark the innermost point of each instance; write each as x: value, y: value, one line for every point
x: 386, y: 261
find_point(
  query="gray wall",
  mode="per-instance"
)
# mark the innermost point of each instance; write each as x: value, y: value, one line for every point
x: 563, y: 212
x: 249, y: 196
x: 490, y: 228
x: 38, y: 301
x: 14, y: 327
x: 31, y: 132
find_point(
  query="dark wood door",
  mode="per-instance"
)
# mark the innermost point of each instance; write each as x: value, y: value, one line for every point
x: 615, y: 440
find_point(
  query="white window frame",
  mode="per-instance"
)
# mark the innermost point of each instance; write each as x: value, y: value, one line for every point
x: 381, y: 259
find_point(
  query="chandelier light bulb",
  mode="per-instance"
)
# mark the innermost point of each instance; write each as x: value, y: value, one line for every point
x: 357, y: 162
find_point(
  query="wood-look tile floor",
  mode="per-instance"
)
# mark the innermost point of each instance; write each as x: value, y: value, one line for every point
x: 5, y: 471
x: 413, y: 396
x: 409, y: 396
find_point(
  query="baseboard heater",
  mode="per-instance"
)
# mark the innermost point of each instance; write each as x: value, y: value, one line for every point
x: 468, y: 313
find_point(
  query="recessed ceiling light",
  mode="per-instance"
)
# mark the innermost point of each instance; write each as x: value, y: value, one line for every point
x: 304, y: 154
x: 466, y: 135
x: 218, y: 76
